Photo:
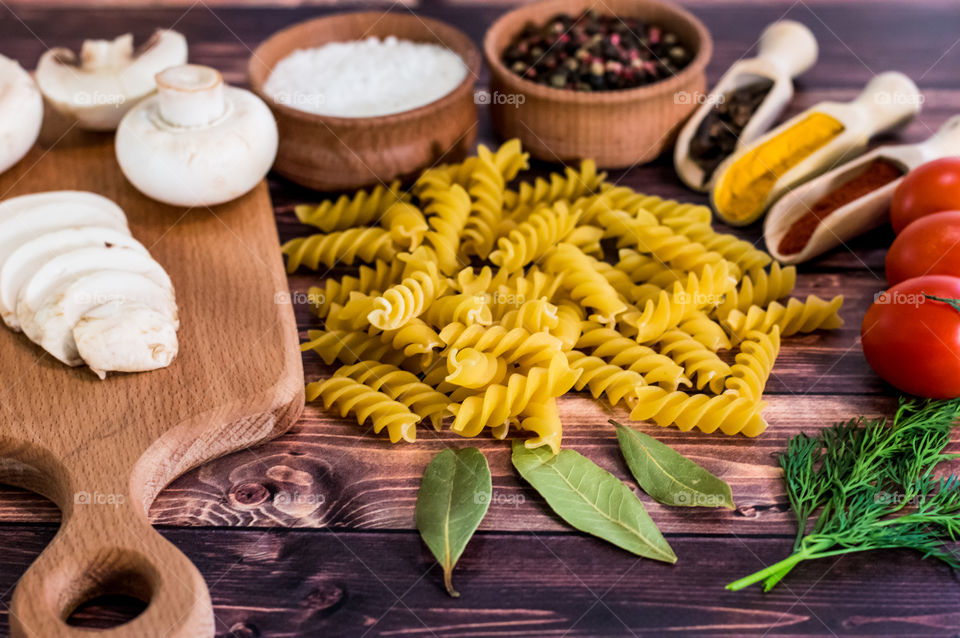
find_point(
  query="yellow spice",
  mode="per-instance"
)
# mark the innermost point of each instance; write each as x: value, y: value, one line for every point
x: 742, y: 191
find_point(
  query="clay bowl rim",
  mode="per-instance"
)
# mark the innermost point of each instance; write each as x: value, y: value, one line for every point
x: 433, y: 30
x: 551, y: 8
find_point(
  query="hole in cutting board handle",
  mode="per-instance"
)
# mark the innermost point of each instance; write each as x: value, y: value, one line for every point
x: 106, y: 550
x: 114, y: 602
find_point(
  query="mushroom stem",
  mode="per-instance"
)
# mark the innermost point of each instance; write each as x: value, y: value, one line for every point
x: 97, y: 55
x: 190, y: 95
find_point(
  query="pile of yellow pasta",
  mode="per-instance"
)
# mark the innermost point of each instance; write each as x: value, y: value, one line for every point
x: 484, y: 303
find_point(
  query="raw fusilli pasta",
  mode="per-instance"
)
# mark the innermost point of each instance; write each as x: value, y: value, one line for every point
x: 754, y: 362
x: 797, y: 316
x: 584, y: 284
x: 532, y: 238
x: 346, y: 212
x: 353, y: 397
x: 423, y: 333
x: 346, y: 246
x: 401, y: 386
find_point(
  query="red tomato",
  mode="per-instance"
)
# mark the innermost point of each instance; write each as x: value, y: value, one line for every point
x: 913, y: 342
x: 928, y: 246
x: 930, y: 188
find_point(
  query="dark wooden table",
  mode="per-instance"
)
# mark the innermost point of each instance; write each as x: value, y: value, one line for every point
x: 344, y: 558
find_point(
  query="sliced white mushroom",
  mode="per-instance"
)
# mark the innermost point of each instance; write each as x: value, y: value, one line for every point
x: 51, y: 278
x: 24, y: 261
x: 43, y: 204
x: 197, y: 142
x: 125, y: 336
x: 110, y: 77
x: 54, y: 321
x: 21, y: 113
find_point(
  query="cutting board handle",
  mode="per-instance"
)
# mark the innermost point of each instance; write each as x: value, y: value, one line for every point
x: 106, y: 545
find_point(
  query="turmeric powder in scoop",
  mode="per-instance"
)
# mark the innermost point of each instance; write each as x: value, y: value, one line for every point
x: 741, y: 193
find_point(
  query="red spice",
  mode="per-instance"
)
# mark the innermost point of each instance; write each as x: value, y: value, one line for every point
x: 877, y: 173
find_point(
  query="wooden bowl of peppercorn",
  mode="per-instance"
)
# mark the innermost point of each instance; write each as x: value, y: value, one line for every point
x: 613, y: 83
x: 332, y: 153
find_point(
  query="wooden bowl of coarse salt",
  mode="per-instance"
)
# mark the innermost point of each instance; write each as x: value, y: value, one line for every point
x: 365, y: 98
x: 616, y: 128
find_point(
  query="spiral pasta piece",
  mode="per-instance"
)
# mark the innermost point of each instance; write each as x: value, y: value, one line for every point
x: 499, y: 402
x: 516, y: 346
x: 406, y: 300
x: 584, y: 284
x: 536, y: 315
x: 368, y: 280
x: 725, y: 412
x: 665, y: 210
x: 353, y: 397
x: 413, y: 338
x: 570, y: 317
x: 461, y: 308
x: 736, y: 250
x: 604, y: 379
x: 447, y: 213
x: 349, y: 347
x: 365, y: 244
x: 406, y: 224
x: 623, y: 352
x: 531, y: 239
x: 699, y: 364
x: 648, y: 270
x: 347, y: 212
x: 587, y: 239
x: 543, y: 419
x: 508, y: 292
x: 707, y: 331
x: 676, y: 250
x: 753, y: 364
x: 758, y: 288
x: 669, y: 310
x: 402, y: 386
x: 797, y: 316
x: 471, y: 368
x: 570, y: 186
x: 486, y: 188
x: 352, y: 316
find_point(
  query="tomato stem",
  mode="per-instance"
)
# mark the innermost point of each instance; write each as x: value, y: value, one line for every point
x: 954, y: 303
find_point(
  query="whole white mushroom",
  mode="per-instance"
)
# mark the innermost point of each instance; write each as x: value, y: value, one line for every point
x: 21, y: 113
x: 110, y: 78
x: 197, y: 142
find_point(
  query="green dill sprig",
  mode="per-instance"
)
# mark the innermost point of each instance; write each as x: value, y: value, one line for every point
x: 870, y: 484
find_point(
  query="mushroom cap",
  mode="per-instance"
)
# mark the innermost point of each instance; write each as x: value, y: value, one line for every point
x: 110, y: 79
x: 50, y: 278
x: 21, y: 113
x: 55, y: 320
x: 198, y: 165
x: 125, y: 336
x: 20, y: 265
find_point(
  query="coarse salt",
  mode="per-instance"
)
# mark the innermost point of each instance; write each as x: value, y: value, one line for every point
x: 365, y: 78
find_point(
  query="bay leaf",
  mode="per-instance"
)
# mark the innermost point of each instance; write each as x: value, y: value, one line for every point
x: 668, y: 476
x: 592, y: 500
x: 454, y: 496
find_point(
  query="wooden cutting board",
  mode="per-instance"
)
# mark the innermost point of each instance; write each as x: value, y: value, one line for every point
x: 102, y: 450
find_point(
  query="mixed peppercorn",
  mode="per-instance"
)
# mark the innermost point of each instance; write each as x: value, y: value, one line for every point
x: 717, y: 136
x: 594, y: 52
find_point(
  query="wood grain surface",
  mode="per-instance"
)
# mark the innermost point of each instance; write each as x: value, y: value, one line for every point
x: 354, y: 566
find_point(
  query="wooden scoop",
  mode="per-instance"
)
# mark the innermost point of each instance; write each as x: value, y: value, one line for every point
x: 889, y: 101
x: 786, y: 50
x: 860, y: 215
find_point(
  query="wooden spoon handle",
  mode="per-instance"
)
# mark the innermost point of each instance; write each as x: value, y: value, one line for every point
x: 106, y: 545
